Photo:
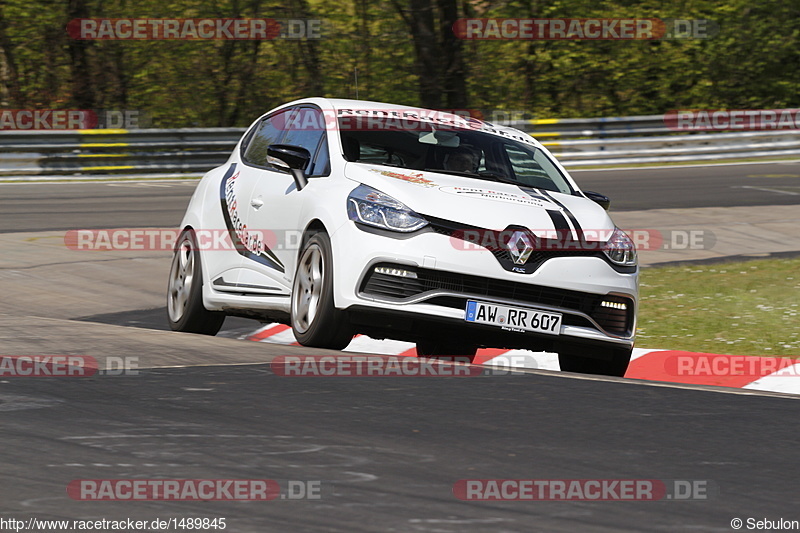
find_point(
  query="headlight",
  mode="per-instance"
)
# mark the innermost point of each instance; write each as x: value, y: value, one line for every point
x: 374, y: 208
x: 620, y: 249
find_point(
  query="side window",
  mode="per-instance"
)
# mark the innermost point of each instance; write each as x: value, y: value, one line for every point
x: 321, y: 165
x: 270, y: 131
x: 306, y: 128
x: 525, y: 167
x: 534, y: 169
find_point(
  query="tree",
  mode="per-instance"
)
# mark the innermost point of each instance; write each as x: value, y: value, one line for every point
x: 438, y: 52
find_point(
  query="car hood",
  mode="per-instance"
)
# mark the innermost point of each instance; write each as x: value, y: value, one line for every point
x: 485, y: 204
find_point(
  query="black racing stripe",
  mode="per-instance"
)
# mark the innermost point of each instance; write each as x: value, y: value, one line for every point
x: 558, y: 219
x: 268, y: 258
x: 533, y: 193
x: 572, y: 218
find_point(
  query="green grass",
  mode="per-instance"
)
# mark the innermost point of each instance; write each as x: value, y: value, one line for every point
x: 742, y: 308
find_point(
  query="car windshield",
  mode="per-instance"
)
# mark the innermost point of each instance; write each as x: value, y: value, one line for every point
x: 468, y: 152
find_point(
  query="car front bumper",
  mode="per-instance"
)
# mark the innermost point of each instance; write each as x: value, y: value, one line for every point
x: 449, y: 274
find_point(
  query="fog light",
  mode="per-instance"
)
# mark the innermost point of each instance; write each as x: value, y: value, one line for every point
x: 613, y: 305
x: 399, y: 272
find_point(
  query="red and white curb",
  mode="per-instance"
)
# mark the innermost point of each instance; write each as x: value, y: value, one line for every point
x: 774, y: 374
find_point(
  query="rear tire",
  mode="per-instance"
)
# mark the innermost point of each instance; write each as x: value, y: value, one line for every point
x: 185, y: 311
x: 315, y: 320
x: 616, y: 366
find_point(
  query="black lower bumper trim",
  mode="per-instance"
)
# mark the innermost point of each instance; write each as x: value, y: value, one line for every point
x: 413, y: 327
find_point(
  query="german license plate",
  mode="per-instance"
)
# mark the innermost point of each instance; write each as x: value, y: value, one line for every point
x: 513, y: 318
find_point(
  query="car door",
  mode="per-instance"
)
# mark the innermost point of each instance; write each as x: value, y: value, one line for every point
x: 225, y: 256
x: 274, y: 204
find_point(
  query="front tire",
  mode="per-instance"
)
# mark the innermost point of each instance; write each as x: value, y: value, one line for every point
x: 315, y: 320
x: 616, y: 366
x: 185, y: 311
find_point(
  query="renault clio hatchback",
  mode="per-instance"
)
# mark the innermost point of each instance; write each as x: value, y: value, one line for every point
x: 344, y: 217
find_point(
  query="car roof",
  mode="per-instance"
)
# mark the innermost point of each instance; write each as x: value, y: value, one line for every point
x: 340, y: 104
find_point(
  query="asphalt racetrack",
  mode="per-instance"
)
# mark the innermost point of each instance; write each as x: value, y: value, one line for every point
x: 93, y: 205
x: 387, y: 451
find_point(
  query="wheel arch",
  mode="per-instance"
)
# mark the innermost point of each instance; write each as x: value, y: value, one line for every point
x: 315, y: 225
x: 185, y: 227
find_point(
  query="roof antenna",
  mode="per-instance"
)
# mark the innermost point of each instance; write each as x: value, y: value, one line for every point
x: 356, y: 72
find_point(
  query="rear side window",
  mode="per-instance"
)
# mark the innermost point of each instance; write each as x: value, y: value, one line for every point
x: 270, y: 131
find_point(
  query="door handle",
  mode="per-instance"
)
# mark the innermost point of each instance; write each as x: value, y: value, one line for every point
x: 257, y: 203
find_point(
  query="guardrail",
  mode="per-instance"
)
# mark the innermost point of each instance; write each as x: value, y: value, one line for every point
x: 193, y: 151
x: 591, y: 127
x: 104, y: 152
x: 676, y: 148
x: 613, y: 141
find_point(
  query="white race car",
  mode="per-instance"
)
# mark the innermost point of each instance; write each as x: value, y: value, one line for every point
x: 343, y: 217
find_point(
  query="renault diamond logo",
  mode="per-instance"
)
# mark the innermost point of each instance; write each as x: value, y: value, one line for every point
x: 520, y: 247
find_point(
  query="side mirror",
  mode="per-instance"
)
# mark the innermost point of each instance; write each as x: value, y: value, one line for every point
x: 291, y: 158
x: 600, y: 199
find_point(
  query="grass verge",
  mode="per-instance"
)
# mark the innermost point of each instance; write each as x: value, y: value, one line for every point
x: 738, y: 308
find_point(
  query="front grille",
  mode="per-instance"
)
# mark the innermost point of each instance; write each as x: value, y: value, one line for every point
x: 616, y: 321
x: 494, y: 242
x: 537, y: 258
